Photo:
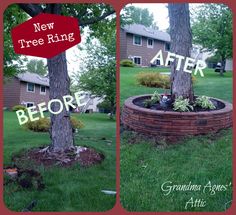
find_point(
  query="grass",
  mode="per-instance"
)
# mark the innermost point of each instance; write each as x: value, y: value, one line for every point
x: 212, y: 84
x: 145, y: 167
x: 67, y: 189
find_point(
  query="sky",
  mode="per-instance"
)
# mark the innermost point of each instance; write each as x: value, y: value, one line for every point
x: 160, y: 13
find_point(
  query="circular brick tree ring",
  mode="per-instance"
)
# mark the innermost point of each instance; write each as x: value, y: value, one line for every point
x: 172, y: 124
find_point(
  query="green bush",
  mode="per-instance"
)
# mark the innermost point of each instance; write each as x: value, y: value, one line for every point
x: 127, y: 63
x: 153, y: 79
x: 104, y: 107
x: 204, y: 102
x: 19, y: 107
x: 43, y: 124
x: 182, y: 104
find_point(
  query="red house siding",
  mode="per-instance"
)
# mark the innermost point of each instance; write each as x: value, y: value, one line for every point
x: 128, y: 49
x: 143, y: 51
x: 35, y: 96
x: 11, y: 93
x: 15, y: 93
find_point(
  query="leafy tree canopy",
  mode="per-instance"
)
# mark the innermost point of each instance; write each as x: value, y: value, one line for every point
x: 132, y: 14
x: 12, y: 62
x: 212, y: 29
x: 36, y: 66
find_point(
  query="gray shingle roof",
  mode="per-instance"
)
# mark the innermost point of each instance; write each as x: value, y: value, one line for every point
x: 33, y: 78
x: 147, y: 32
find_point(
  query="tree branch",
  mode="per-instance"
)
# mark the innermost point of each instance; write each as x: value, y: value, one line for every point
x: 83, y: 23
x: 31, y: 9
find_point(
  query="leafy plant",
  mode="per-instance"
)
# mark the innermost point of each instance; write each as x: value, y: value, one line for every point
x: 43, y: 124
x: 19, y: 107
x: 148, y: 103
x: 156, y: 97
x: 204, y: 102
x: 153, y: 79
x: 127, y: 63
x: 182, y: 104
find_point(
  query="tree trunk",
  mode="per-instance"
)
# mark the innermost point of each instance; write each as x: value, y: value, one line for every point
x: 181, y: 44
x: 61, y: 129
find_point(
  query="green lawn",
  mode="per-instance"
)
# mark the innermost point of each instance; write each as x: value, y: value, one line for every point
x: 145, y: 167
x: 67, y: 189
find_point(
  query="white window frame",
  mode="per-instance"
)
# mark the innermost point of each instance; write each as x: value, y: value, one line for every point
x: 140, y: 60
x: 26, y: 103
x: 134, y: 35
x: 28, y: 86
x: 43, y: 93
x: 152, y: 43
x: 165, y: 47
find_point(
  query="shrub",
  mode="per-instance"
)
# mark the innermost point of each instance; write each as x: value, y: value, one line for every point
x: 153, y: 79
x: 43, y: 124
x: 105, y: 107
x: 76, y: 123
x: 182, y: 104
x: 19, y: 107
x: 127, y: 63
x: 204, y: 102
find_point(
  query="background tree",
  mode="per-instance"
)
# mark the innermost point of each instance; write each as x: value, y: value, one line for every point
x: 13, y: 63
x: 212, y: 29
x: 36, y: 66
x: 137, y: 15
x: 99, y: 77
x: 88, y: 15
x: 181, y: 44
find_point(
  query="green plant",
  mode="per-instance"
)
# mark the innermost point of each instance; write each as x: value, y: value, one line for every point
x: 182, y: 104
x: 148, y: 103
x: 43, y: 124
x: 153, y: 79
x: 127, y: 63
x: 19, y: 107
x: 156, y: 97
x: 75, y: 123
x: 204, y: 102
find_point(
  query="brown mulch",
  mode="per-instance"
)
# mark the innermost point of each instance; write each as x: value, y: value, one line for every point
x: 85, y: 158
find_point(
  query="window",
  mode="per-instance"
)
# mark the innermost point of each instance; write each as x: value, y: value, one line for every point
x: 29, y: 104
x: 137, y: 40
x: 30, y: 87
x: 167, y: 46
x: 150, y: 43
x: 158, y: 63
x: 42, y: 90
x: 137, y: 60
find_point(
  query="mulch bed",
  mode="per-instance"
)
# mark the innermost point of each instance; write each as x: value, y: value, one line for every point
x: 157, y: 106
x: 86, y: 157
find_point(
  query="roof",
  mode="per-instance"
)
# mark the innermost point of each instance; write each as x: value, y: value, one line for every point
x: 147, y: 32
x: 33, y: 78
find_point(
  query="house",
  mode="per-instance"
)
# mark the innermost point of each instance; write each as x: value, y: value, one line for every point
x: 90, y: 102
x: 141, y: 44
x: 27, y: 89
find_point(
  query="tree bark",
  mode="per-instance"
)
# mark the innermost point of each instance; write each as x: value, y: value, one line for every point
x: 181, y: 44
x: 61, y: 130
